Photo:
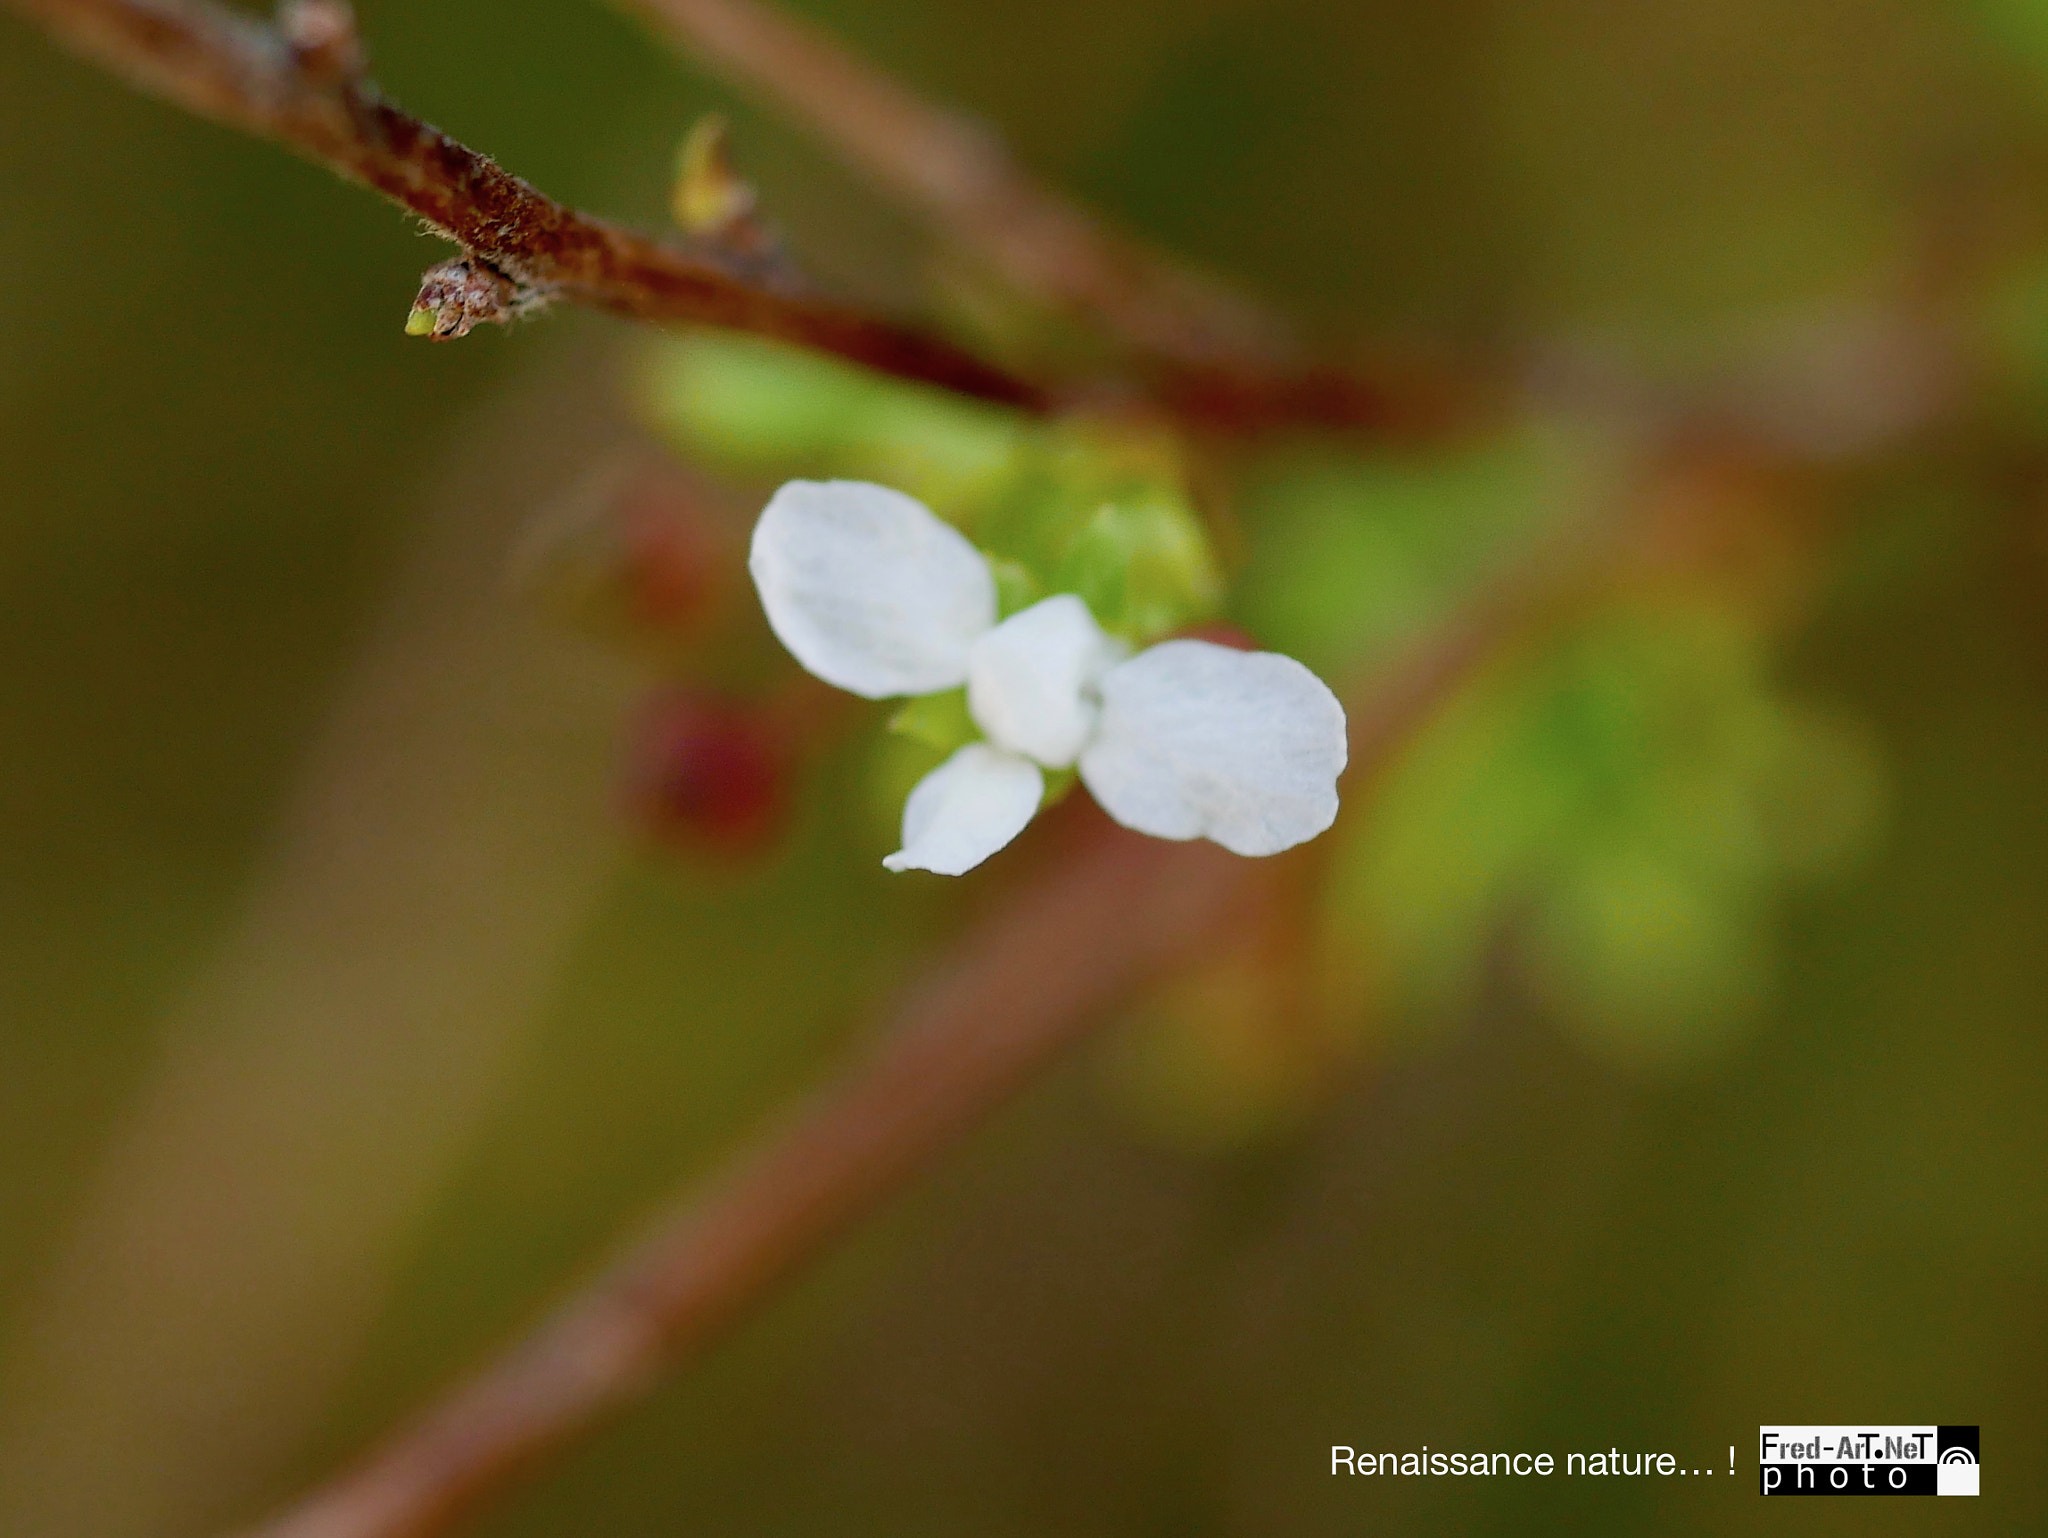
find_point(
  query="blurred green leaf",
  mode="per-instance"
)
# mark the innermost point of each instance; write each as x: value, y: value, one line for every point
x: 764, y: 408
x: 1072, y: 506
x: 1624, y: 802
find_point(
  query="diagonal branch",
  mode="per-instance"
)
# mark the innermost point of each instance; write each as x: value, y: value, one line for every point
x: 1031, y: 981
x: 1210, y: 360
x: 300, y: 83
x: 962, y: 177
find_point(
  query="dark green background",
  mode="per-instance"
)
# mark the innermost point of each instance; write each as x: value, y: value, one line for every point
x: 216, y: 447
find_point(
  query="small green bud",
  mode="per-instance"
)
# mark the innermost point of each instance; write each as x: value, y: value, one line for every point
x: 709, y: 196
x: 1143, y: 565
x: 939, y: 721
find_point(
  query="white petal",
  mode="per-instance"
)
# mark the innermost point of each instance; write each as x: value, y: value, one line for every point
x: 1031, y: 680
x: 1200, y: 741
x: 868, y: 588
x: 967, y: 809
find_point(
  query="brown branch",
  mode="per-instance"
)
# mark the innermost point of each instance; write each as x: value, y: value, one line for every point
x: 301, y: 83
x: 1215, y: 355
x: 1110, y: 910
x: 1028, y: 982
x: 962, y: 177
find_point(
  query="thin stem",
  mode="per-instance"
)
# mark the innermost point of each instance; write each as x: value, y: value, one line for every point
x: 301, y: 83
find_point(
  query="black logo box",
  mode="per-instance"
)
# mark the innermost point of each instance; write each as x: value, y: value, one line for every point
x: 1866, y: 1478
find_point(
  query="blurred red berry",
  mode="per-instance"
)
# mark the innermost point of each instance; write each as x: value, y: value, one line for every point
x: 710, y: 775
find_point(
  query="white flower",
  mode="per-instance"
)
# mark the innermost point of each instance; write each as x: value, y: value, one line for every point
x: 872, y: 592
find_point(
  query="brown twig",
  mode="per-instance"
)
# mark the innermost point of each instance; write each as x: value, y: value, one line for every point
x: 1109, y: 911
x: 300, y: 83
x: 1214, y: 355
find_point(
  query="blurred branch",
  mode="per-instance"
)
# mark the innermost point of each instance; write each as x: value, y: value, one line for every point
x: 1030, y: 981
x: 1215, y: 354
x: 962, y: 177
x: 301, y: 83
x: 1027, y: 982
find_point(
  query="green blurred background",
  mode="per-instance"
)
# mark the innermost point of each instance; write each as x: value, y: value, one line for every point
x: 1656, y: 1052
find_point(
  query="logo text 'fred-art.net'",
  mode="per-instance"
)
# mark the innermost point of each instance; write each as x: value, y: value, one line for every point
x: 1867, y: 1460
